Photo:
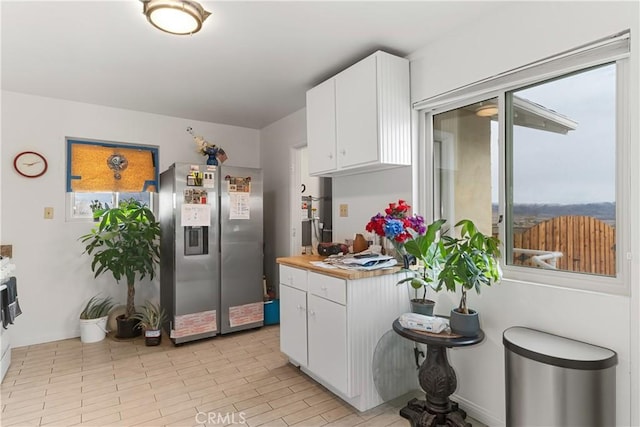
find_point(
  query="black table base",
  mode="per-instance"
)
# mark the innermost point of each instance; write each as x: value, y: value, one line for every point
x: 438, y: 380
x: 417, y: 413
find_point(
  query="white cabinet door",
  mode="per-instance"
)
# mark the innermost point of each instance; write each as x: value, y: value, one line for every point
x: 321, y: 127
x: 328, y: 341
x: 357, y: 114
x: 361, y: 118
x: 293, y: 323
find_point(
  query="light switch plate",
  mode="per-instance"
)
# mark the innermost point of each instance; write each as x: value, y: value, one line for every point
x: 48, y: 213
x: 344, y: 210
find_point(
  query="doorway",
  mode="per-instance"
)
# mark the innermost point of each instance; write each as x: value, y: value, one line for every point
x: 310, y: 216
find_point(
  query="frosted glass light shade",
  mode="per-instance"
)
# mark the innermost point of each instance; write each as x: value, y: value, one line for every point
x: 487, y: 111
x: 175, y: 16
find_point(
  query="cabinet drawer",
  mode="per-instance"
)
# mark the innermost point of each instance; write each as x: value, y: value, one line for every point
x: 331, y: 288
x: 294, y: 277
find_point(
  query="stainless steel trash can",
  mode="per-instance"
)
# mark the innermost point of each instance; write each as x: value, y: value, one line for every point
x: 556, y: 381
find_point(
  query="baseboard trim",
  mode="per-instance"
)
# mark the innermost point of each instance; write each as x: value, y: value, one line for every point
x: 477, y: 412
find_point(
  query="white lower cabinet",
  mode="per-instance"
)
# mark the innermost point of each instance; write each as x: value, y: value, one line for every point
x: 5, y: 353
x: 327, y: 338
x: 330, y: 327
x: 293, y: 323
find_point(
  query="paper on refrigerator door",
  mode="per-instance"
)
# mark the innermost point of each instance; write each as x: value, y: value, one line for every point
x: 194, y: 324
x: 239, y: 189
x: 209, y: 179
x: 246, y: 314
x: 195, y: 215
x: 239, y: 206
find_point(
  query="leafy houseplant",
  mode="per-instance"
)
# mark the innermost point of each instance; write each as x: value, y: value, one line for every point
x: 471, y: 262
x: 410, y: 237
x: 151, y: 317
x: 428, y: 250
x: 97, y: 308
x: 125, y: 242
x: 97, y: 209
x: 93, y: 319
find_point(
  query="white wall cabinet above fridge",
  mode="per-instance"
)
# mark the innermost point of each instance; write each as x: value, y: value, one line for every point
x: 360, y: 119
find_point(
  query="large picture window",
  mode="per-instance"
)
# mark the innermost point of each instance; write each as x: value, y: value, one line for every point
x: 562, y: 158
x: 537, y: 158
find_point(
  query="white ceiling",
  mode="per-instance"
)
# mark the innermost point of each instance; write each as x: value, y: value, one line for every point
x: 249, y: 66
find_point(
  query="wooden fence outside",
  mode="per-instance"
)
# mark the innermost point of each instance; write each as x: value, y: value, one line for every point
x: 587, y: 244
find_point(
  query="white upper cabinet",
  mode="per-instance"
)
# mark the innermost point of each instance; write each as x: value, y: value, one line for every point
x: 360, y: 119
x: 321, y: 127
x: 357, y: 112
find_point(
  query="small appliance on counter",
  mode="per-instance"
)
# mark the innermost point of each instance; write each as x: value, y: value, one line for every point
x: 326, y: 249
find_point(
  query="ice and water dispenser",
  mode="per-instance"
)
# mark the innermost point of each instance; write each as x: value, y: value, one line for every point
x: 196, y: 241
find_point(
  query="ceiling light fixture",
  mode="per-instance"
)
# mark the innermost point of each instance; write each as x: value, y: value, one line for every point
x: 175, y: 16
x: 487, y: 110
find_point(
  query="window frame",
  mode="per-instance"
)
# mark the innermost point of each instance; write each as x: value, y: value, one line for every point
x: 618, y: 284
x: 70, y: 203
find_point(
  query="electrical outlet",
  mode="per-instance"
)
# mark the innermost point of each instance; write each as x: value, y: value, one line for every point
x: 344, y: 210
x: 48, y: 213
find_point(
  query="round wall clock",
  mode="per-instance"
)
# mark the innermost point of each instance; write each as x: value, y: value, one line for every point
x: 30, y: 164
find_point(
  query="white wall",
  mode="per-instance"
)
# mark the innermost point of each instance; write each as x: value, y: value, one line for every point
x: 517, y: 34
x: 277, y: 141
x: 366, y: 195
x: 54, y: 277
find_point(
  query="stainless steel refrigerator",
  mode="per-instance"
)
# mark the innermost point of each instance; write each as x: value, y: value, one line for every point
x: 211, y: 265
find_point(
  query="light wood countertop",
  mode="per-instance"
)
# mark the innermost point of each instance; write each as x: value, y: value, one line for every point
x: 304, y: 262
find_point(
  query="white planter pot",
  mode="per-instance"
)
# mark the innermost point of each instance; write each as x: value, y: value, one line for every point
x: 93, y: 330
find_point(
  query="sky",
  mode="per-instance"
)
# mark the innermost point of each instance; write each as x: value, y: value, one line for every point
x: 575, y: 168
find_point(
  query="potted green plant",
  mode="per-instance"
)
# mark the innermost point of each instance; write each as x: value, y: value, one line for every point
x: 428, y: 250
x: 151, y: 317
x: 125, y: 243
x: 471, y: 261
x: 97, y: 209
x: 411, y: 238
x: 93, y: 319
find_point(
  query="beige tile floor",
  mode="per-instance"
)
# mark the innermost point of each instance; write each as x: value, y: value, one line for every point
x: 230, y: 379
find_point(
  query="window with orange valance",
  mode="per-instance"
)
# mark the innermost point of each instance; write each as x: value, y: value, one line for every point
x: 97, y: 166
